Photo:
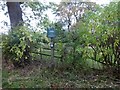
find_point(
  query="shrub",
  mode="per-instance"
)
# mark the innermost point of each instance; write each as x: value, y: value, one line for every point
x: 17, y: 46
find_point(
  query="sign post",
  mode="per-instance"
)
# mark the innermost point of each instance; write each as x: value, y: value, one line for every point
x: 52, y: 49
x: 51, y: 34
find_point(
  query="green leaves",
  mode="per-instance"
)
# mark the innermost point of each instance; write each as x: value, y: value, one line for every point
x: 16, y: 46
x: 96, y: 34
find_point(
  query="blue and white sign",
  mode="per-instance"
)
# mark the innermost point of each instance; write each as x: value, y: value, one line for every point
x: 51, y: 32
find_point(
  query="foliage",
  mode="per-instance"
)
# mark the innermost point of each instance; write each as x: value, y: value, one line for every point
x: 38, y: 15
x: 17, y: 46
x: 72, y: 11
x: 99, y: 35
x: 106, y: 34
x: 94, y: 37
x: 93, y: 41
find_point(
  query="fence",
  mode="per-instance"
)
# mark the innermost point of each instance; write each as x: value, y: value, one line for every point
x: 45, y: 51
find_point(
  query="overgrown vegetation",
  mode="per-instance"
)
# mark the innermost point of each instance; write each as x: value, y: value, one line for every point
x: 17, y: 46
x: 88, y: 48
x: 43, y: 77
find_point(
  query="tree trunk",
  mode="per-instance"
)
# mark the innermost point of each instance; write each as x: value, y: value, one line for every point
x: 15, y: 13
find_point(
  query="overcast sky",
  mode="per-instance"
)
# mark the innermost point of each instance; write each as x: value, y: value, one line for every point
x: 51, y: 16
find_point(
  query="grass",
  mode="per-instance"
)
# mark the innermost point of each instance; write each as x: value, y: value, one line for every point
x: 39, y: 76
x: 93, y: 64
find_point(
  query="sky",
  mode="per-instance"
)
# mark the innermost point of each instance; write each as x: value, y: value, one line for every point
x: 4, y: 29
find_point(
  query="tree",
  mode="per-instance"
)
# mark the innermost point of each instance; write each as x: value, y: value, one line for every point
x: 15, y: 13
x: 17, y: 45
x: 102, y: 36
x: 71, y: 12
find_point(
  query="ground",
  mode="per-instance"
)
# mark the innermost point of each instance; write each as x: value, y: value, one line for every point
x: 38, y: 75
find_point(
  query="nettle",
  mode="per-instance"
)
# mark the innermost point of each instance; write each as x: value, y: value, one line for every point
x: 17, y: 46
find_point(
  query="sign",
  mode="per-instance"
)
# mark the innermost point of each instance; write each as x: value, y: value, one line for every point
x: 51, y: 32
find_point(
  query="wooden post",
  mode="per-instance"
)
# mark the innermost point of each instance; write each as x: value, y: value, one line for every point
x: 51, y: 34
x: 52, y: 49
x: 52, y: 53
x: 40, y: 48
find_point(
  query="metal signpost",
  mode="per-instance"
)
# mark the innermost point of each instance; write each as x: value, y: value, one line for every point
x: 51, y: 34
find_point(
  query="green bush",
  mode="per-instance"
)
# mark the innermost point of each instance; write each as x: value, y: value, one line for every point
x: 17, y: 46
